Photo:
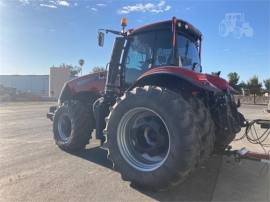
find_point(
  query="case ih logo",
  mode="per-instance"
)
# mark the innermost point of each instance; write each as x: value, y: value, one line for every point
x: 234, y: 24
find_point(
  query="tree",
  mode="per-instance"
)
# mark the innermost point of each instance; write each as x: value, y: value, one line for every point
x: 267, y: 84
x: 74, y: 70
x: 81, y: 63
x: 242, y: 86
x: 233, y: 79
x: 254, y: 86
x: 216, y: 73
x: 98, y: 69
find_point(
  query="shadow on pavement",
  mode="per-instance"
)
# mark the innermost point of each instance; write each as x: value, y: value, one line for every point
x: 199, y: 187
x: 96, y: 155
x: 243, y: 181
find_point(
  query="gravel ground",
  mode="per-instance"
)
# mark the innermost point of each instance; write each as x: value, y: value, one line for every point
x: 33, y: 168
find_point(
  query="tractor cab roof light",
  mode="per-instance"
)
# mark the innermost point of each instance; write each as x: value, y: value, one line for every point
x: 123, y: 24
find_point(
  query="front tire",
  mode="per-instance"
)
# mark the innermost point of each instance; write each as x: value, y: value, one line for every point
x: 173, y: 151
x: 72, y: 126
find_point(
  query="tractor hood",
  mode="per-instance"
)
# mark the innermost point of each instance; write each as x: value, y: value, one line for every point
x: 94, y: 82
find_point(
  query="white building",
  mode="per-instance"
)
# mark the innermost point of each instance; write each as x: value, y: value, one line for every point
x: 35, y: 84
x: 41, y: 85
x: 58, y: 76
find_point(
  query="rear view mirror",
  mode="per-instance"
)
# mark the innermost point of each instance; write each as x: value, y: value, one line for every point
x: 101, y: 37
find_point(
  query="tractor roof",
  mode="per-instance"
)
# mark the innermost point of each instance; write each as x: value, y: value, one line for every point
x: 191, y: 30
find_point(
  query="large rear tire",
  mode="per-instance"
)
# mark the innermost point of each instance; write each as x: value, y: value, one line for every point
x: 72, y: 126
x: 155, y: 160
x: 206, y: 128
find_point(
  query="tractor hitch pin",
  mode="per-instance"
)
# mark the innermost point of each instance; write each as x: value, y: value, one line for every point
x: 245, y: 154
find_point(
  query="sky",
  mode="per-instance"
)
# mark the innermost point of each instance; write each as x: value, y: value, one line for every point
x: 37, y: 34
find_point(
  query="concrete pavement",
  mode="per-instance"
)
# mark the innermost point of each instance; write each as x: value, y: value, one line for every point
x: 33, y: 168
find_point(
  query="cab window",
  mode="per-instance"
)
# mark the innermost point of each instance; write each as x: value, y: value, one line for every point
x: 188, y: 54
x: 147, y: 50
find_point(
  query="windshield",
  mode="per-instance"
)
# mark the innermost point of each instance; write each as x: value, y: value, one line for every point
x: 187, y: 53
x: 154, y: 49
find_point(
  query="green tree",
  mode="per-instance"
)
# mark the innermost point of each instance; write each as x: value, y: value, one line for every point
x: 267, y: 84
x: 74, y: 70
x: 254, y: 86
x: 242, y: 86
x: 98, y: 69
x: 216, y: 73
x: 81, y: 63
x: 233, y: 79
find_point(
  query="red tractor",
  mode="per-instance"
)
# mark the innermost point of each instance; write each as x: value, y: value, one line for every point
x: 154, y: 111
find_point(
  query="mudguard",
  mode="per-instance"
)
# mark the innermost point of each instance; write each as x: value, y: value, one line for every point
x: 204, y: 81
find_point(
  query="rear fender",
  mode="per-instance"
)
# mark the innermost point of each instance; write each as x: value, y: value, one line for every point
x: 173, y: 82
x: 173, y: 77
x: 220, y: 83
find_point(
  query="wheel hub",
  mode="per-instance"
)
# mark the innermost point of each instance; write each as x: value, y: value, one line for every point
x: 64, y: 127
x: 143, y: 139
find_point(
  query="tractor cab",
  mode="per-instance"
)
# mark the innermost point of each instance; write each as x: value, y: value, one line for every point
x: 165, y: 44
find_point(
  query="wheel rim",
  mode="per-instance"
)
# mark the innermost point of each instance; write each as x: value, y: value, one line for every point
x: 64, y: 127
x: 143, y: 139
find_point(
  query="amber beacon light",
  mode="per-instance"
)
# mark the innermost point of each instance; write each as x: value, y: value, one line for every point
x: 123, y: 24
